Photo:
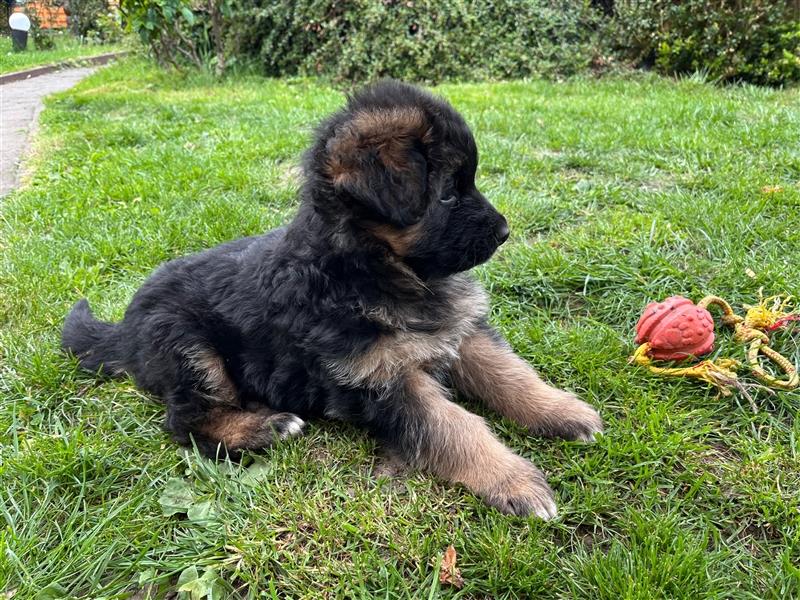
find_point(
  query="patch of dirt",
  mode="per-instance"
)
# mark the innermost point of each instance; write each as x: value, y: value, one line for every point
x: 290, y: 174
x: 720, y: 459
x: 388, y: 465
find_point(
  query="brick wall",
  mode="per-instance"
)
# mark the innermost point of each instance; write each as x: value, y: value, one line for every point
x: 51, y: 16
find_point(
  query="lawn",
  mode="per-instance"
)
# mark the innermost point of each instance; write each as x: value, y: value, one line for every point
x: 619, y: 191
x: 67, y: 49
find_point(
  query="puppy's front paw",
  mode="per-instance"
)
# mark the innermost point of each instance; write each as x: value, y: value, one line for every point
x: 569, y: 418
x: 523, y: 492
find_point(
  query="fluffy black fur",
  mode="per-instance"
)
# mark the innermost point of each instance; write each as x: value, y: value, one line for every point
x: 389, y: 220
x: 279, y: 307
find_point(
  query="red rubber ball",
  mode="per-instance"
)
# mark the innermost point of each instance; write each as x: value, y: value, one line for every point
x: 676, y: 329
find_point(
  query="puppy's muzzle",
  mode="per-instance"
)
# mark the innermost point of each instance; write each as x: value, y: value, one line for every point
x: 501, y: 231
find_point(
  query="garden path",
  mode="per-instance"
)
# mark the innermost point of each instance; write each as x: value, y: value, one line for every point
x: 20, y: 104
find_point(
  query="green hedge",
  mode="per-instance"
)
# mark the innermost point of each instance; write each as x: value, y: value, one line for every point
x: 731, y: 40
x: 418, y: 39
x: 427, y: 40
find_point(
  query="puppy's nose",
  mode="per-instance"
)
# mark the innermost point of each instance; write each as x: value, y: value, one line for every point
x: 501, y: 231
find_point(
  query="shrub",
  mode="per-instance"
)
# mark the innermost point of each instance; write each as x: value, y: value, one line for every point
x: 361, y: 39
x: 357, y: 40
x: 418, y: 39
x: 181, y: 31
x: 42, y: 38
x: 83, y: 15
x: 107, y: 28
x: 732, y: 40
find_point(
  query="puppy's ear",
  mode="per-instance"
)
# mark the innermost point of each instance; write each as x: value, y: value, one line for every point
x: 377, y: 157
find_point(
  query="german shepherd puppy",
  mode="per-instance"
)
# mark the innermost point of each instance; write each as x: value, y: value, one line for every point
x: 360, y: 309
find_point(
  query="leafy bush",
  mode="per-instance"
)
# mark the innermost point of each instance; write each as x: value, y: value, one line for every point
x: 356, y: 40
x: 42, y: 38
x: 360, y: 39
x: 83, y: 15
x: 107, y: 28
x: 181, y: 31
x: 418, y: 39
x: 749, y: 40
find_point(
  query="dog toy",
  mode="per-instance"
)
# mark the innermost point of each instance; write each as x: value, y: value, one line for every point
x: 677, y: 329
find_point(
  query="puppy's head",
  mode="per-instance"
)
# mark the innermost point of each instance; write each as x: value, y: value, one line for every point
x: 400, y: 164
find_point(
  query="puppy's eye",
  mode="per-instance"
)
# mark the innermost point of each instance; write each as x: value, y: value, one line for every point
x: 449, y: 200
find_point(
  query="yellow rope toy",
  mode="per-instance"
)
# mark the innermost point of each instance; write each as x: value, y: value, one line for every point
x: 667, y: 329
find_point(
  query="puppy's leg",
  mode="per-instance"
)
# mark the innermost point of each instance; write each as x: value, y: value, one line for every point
x: 488, y: 370
x: 232, y: 430
x: 207, y: 409
x: 219, y: 430
x: 429, y: 431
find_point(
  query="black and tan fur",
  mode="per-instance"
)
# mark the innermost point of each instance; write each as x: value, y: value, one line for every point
x: 360, y: 309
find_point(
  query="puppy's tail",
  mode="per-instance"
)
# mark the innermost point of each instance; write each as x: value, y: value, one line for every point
x: 94, y: 343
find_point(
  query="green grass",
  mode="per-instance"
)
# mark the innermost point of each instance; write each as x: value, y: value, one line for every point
x: 67, y: 49
x: 618, y: 191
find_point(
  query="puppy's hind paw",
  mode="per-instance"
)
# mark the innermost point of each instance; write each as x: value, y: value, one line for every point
x: 286, y: 425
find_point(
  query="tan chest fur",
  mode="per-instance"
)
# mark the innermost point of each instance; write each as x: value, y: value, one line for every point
x: 405, y: 348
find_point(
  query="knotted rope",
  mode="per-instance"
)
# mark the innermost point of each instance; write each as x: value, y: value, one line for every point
x: 768, y: 315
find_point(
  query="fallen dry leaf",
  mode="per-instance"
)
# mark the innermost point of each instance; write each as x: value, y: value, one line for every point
x: 448, y: 572
x: 771, y: 189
